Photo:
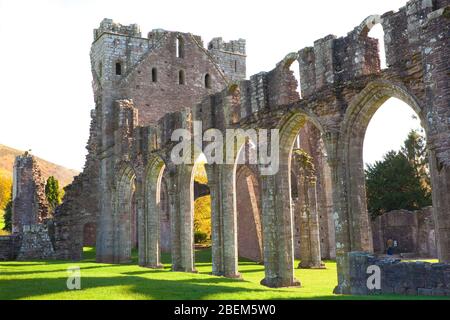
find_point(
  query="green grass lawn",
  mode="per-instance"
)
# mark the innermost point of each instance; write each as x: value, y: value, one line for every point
x: 47, y: 280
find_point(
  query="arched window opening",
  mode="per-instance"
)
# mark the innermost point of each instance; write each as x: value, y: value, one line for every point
x: 295, y: 68
x: 249, y: 218
x: 118, y: 68
x: 180, y: 47
x: 397, y: 177
x: 181, y: 77
x: 377, y: 32
x: 207, y: 81
x: 313, y: 239
x: 154, y: 75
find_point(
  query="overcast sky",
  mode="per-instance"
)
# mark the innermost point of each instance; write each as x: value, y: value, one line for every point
x: 45, y: 83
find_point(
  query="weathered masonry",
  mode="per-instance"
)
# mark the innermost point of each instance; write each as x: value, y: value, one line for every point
x: 145, y: 88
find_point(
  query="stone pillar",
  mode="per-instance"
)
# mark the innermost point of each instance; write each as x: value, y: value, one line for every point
x: 222, y: 184
x: 30, y: 205
x: 277, y: 228
x: 340, y: 217
x: 141, y: 225
x: 441, y: 206
x: 151, y: 219
x: 435, y: 51
x: 175, y: 245
x: 310, y: 255
x: 181, y: 206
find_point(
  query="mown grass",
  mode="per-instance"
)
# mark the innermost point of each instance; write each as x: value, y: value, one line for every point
x: 47, y: 280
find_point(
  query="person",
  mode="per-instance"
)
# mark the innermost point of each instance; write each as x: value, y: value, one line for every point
x: 390, y: 246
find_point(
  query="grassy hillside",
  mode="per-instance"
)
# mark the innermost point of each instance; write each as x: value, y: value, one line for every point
x: 64, y: 175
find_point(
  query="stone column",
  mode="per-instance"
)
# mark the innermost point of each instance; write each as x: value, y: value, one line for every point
x: 105, y: 224
x: 174, y: 212
x: 340, y: 212
x: 142, y: 227
x: 181, y: 202
x: 441, y: 206
x: 186, y: 194
x: 277, y: 228
x: 153, y: 252
x: 435, y: 51
x: 310, y: 254
x: 222, y: 184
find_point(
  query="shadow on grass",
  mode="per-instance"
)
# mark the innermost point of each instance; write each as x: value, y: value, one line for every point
x: 192, y: 289
x: 39, y: 271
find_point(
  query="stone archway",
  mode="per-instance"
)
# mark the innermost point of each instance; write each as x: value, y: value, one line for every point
x: 276, y: 206
x: 248, y: 199
x: 352, y: 222
x: 122, y: 214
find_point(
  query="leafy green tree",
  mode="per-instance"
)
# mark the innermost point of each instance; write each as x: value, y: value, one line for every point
x: 5, y: 188
x: 52, y: 192
x: 415, y: 150
x: 8, y: 216
x: 392, y: 184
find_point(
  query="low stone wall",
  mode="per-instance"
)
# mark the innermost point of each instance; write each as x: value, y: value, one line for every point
x: 396, y: 277
x: 413, y: 231
x: 35, y: 243
x: 9, y: 247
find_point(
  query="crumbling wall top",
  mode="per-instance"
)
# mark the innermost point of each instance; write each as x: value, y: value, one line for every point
x: 109, y: 26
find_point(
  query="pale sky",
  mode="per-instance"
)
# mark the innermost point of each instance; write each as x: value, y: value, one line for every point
x: 45, y: 85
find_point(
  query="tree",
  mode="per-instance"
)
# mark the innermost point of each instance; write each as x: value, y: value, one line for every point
x: 5, y: 188
x: 414, y: 149
x: 8, y: 216
x: 392, y: 184
x: 52, y: 192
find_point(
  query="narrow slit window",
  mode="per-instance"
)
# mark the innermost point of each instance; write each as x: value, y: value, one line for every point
x: 100, y: 69
x: 118, y: 68
x: 235, y: 66
x: 207, y: 81
x: 154, y: 75
x: 180, y: 47
x: 181, y: 77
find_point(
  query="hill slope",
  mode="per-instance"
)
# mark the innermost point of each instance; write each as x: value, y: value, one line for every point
x: 64, y: 175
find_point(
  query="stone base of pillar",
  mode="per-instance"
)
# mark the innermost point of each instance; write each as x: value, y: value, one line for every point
x: 280, y: 282
x: 311, y: 266
x: 105, y: 259
x: 233, y: 276
x: 181, y: 269
x: 342, y: 289
x: 177, y: 268
x: 154, y: 266
x: 230, y: 276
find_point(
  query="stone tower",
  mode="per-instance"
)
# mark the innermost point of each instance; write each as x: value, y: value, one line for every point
x: 164, y: 72
x: 230, y: 56
x: 30, y: 206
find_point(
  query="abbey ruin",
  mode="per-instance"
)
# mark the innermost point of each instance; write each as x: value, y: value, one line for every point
x: 131, y: 194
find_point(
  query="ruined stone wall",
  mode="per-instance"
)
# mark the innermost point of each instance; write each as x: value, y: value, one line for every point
x: 9, y: 247
x: 413, y: 231
x: 30, y: 205
x: 345, y: 87
x: 230, y: 56
x: 406, y: 278
x: 35, y: 243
